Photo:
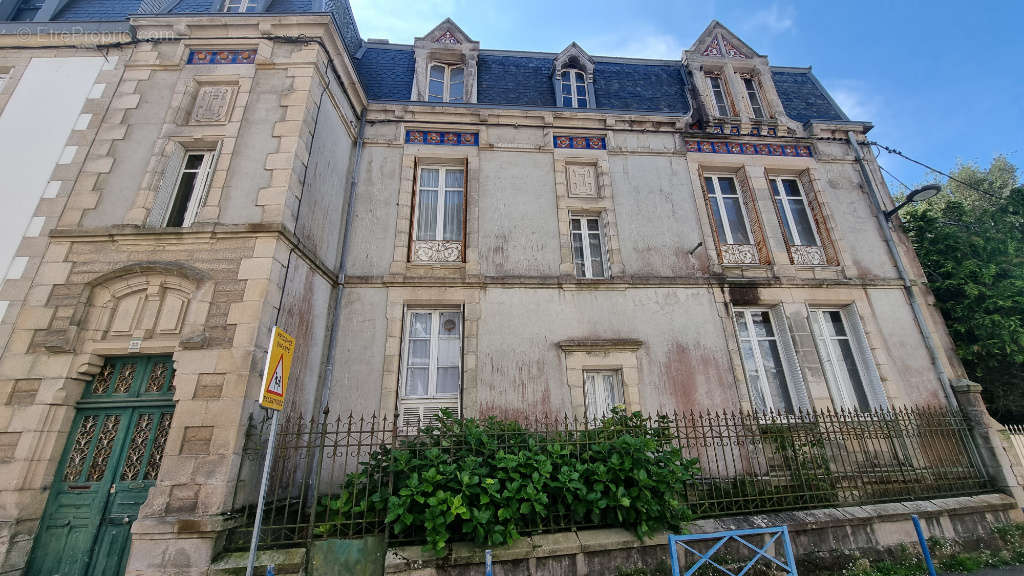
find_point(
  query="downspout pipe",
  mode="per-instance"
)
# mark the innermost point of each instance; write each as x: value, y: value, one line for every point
x: 327, y: 376
x: 915, y: 305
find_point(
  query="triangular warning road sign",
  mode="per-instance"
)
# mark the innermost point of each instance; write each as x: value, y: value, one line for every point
x: 276, y: 385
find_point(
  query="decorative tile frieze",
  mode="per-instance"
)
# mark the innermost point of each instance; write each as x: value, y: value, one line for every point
x: 222, y: 57
x: 580, y: 142
x: 737, y: 131
x: 442, y: 138
x: 749, y: 148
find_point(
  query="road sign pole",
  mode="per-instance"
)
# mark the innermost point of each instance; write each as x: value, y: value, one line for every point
x: 263, y: 494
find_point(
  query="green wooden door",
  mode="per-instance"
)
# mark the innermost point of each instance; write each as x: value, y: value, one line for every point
x: 111, y: 460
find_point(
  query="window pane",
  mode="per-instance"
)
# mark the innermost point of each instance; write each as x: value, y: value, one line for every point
x: 579, y: 77
x: 775, y: 188
x: 566, y: 86
x: 772, y: 363
x: 734, y: 213
x: 455, y: 92
x: 581, y: 102
x: 186, y: 187
x: 848, y: 367
x: 416, y: 381
x: 577, y: 255
x: 834, y: 323
x: 448, y: 351
x: 596, y: 256
x: 419, y: 352
x: 709, y: 184
x: 614, y: 386
x: 453, y: 215
x: 429, y: 177
x: 593, y: 225
x: 741, y: 325
x: 762, y: 324
x: 780, y: 204
x: 753, y: 378
x: 802, y: 220
x: 194, y: 161
x: 419, y: 325
x: 453, y: 178
x: 717, y: 216
x: 791, y: 188
x: 574, y: 224
x: 566, y: 77
x: 448, y: 380
x: 435, y: 93
x: 451, y: 324
x: 727, y: 186
x: 457, y: 74
x: 437, y: 72
x: 581, y: 90
x: 567, y: 101
x: 426, y: 215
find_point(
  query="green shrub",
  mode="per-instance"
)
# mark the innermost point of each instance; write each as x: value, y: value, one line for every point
x: 491, y: 480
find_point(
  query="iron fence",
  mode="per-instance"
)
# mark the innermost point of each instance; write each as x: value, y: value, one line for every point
x: 748, y: 463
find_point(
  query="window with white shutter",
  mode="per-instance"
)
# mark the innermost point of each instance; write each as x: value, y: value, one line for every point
x: 431, y: 377
x: 769, y: 361
x: 846, y: 359
x: 183, y: 188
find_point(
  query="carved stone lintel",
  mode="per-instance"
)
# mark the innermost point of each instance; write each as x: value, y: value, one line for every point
x: 739, y: 254
x: 437, y: 251
x: 808, y: 255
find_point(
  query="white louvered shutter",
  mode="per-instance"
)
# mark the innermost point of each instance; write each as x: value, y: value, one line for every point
x: 790, y: 363
x: 165, y: 191
x: 414, y: 414
x: 865, y: 359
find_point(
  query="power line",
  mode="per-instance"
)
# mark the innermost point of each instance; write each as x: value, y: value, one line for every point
x: 936, y: 170
x: 893, y: 176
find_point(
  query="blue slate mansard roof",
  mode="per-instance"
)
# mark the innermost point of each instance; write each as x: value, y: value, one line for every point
x: 521, y: 79
x: 504, y: 78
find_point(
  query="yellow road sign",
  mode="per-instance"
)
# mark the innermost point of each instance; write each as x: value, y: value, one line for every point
x: 275, y: 372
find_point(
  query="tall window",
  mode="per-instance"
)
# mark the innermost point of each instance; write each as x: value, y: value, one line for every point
x: 190, y: 190
x: 433, y: 354
x: 727, y: 210
x: 440, y: 204
x: 602, y: 390
x: 587, y: 246
x: 754, y: 97
x: 839, y: 348
x: 762, y: 361
x: 447, y: 83
x: 795, y: 214
x: 240, y: 5
x: 718, y: 95
x: 574, y: 89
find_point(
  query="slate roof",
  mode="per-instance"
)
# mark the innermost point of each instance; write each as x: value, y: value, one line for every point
x: 514, y: 79
x: 803, y: 96
x: 505, y: 79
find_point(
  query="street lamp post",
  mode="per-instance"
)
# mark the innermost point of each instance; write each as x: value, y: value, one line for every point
x: 920, y: 195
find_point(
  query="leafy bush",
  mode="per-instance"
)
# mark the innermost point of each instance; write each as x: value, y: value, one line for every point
x: 491, y: 480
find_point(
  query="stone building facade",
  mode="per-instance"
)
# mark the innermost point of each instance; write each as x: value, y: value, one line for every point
x: 438, y: 225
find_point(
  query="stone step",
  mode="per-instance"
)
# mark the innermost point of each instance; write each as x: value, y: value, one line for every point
x: 285, y: 561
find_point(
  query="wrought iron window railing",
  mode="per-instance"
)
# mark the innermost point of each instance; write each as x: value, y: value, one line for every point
x: 749, y: 463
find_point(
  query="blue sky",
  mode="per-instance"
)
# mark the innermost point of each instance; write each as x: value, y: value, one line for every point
x: 941, y: 81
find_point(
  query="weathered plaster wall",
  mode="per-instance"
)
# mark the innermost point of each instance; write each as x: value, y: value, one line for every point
x: 376, y: 211
x: 247, y: 174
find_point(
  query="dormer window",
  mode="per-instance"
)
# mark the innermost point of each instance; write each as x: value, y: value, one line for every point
x: 754, y: 96
x: 447, y: 83
x: 574, y: 89
x: 718, y: 94
x: 240, y: 5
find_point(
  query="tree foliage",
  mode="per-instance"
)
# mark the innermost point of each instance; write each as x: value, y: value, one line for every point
x: 972, y: 249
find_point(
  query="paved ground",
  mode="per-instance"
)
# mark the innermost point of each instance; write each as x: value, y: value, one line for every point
x: 1009, y: 571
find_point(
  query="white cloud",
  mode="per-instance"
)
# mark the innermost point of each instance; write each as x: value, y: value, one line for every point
x: 854, y: 99
x: 401, y: 21
x: 774, y: 19
x: 636, y: 45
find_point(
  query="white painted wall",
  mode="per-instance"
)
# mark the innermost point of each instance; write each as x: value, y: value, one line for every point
x: 34, y: 127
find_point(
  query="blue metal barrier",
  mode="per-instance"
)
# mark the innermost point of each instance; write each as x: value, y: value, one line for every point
x: 780, y: 533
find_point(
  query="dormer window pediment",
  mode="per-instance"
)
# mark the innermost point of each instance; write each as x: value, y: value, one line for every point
x: 573, y: 78
x: 446, y: 60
